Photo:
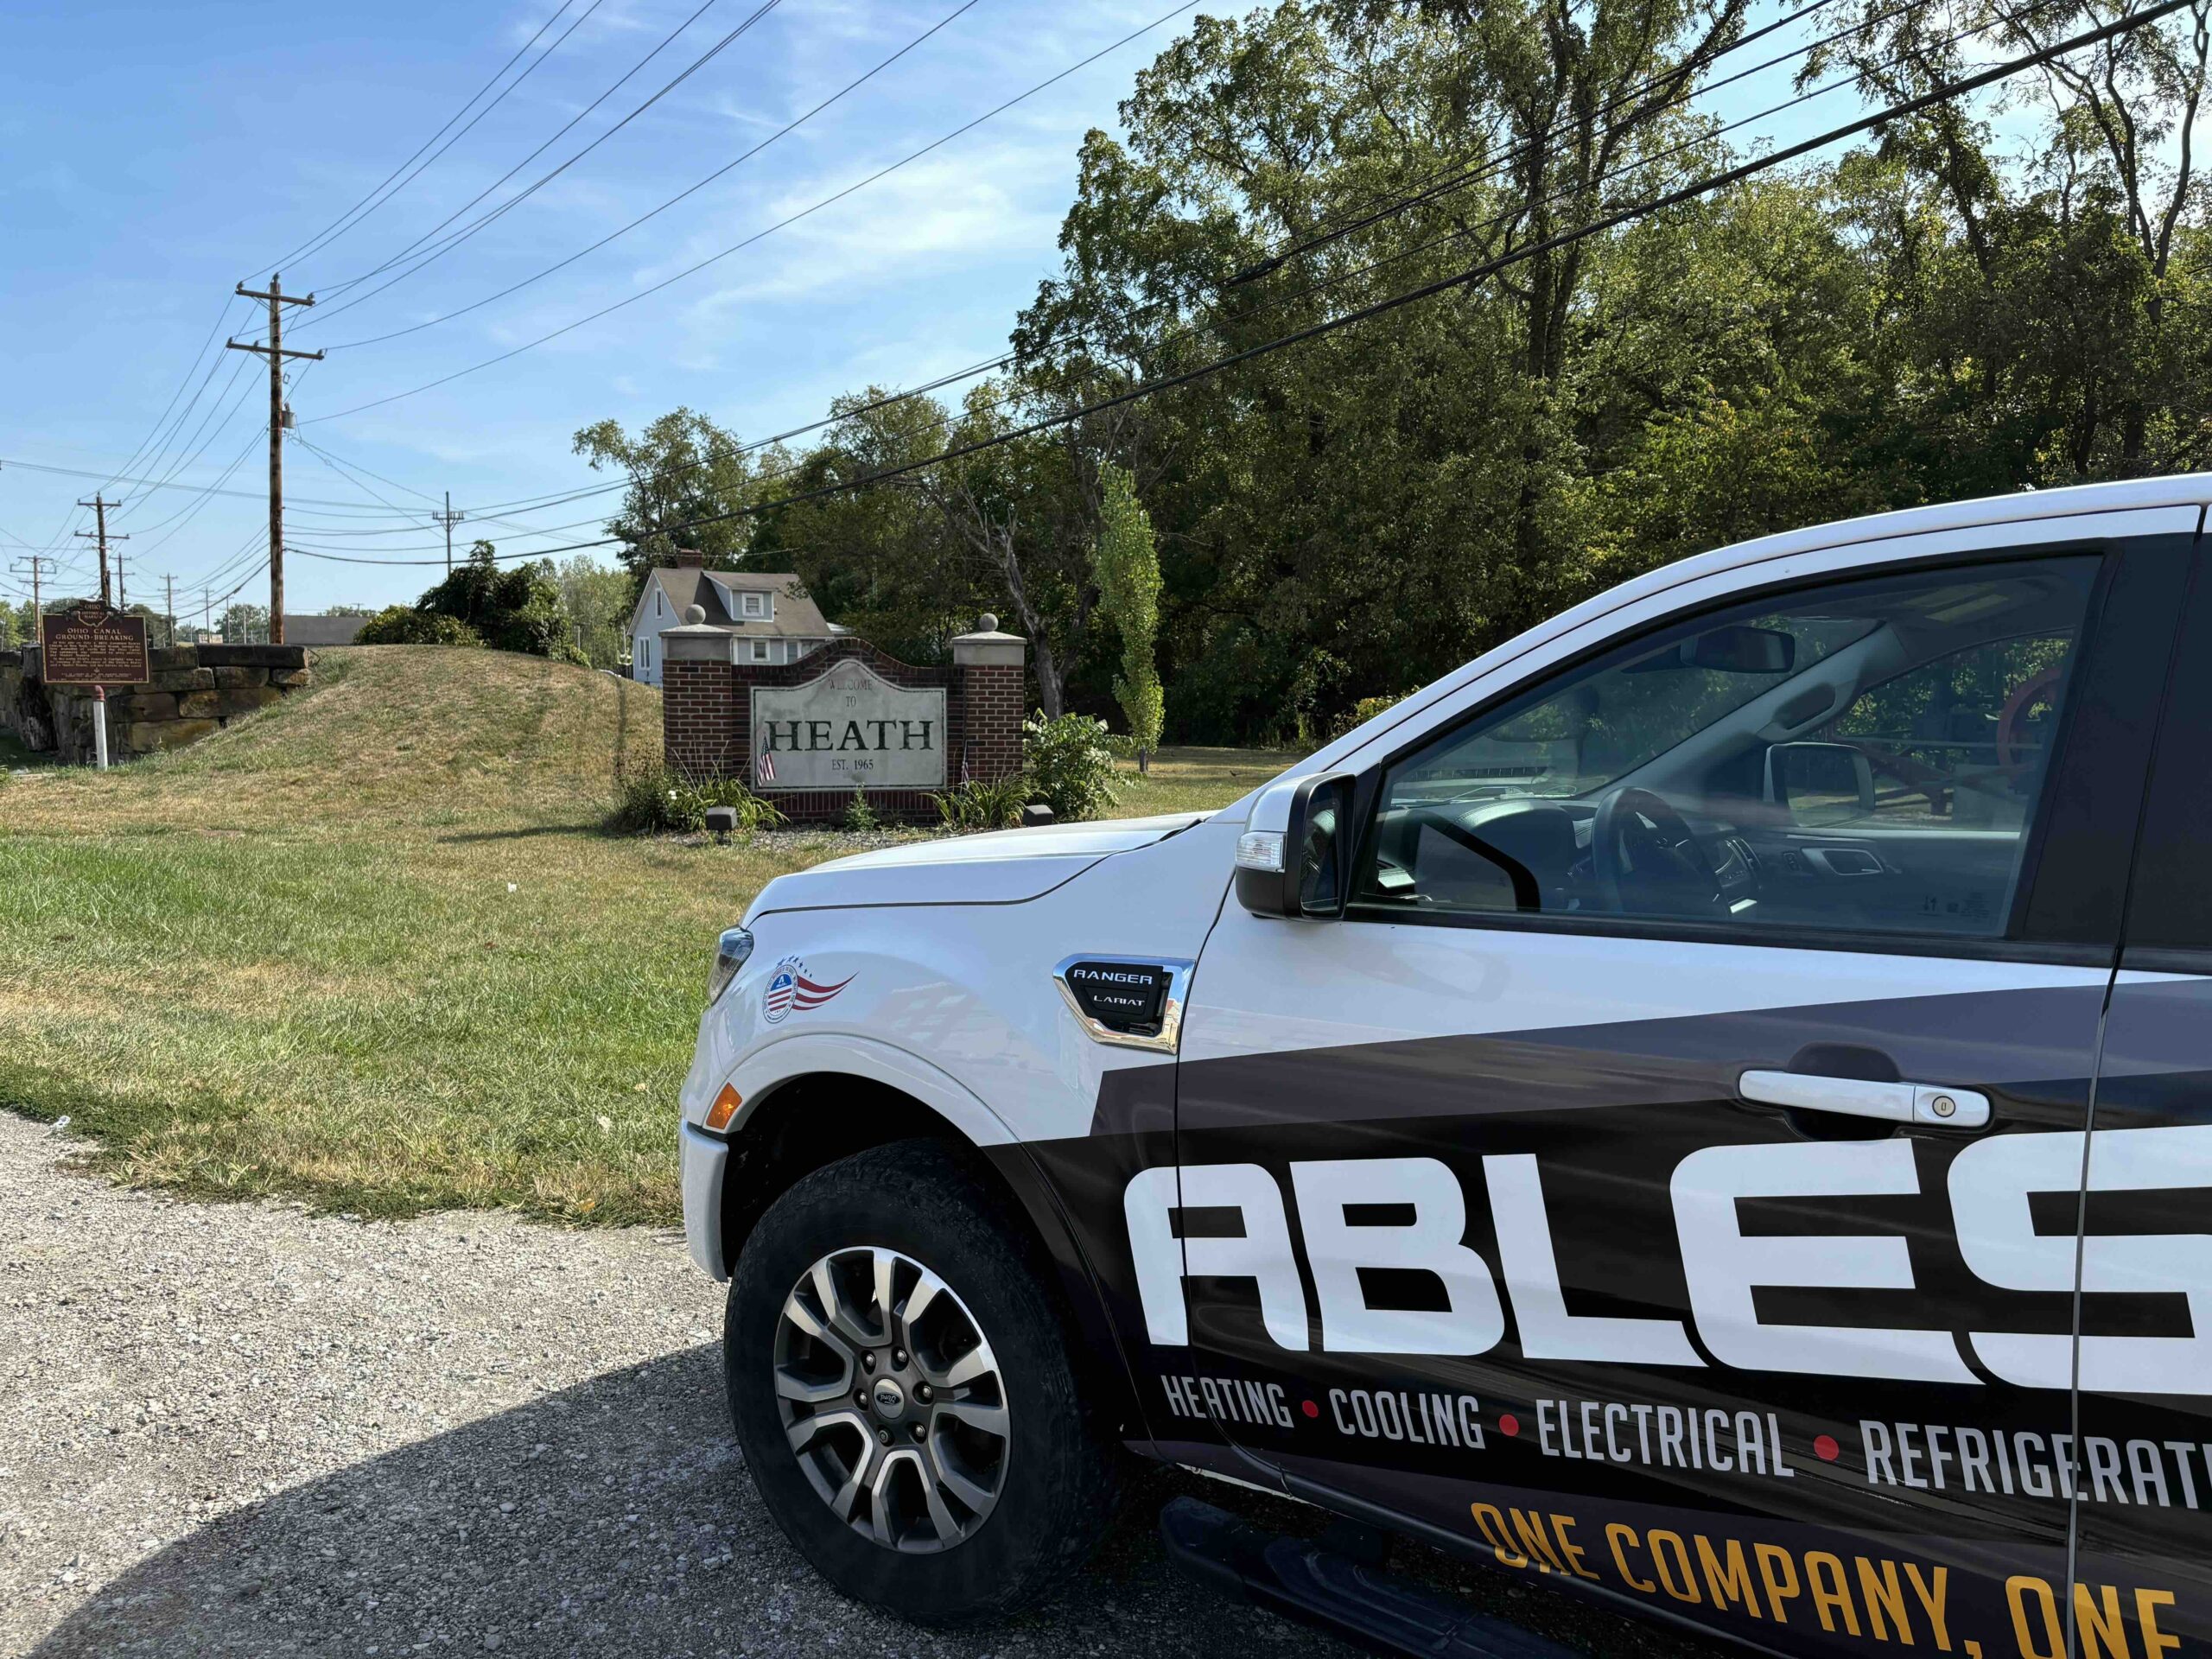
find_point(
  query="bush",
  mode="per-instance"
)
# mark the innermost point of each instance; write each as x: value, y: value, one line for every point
x: 983, y: 805
x: 403, y: 624
x: 1070, y: 767
x: 657, y: 799
x: 860, y: 816
x: 512, y: 608
x: 1364, y: 710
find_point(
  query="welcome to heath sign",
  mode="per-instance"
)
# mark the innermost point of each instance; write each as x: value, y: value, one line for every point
x: 849, y: 726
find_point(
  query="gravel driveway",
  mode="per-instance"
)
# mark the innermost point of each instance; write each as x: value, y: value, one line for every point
x: 243, y: 1429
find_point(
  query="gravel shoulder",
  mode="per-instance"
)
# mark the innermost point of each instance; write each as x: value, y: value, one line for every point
x: 246, y: 1430
x: 242, y: 1429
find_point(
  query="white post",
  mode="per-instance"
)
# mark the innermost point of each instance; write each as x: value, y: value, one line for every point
x: 99, y: 728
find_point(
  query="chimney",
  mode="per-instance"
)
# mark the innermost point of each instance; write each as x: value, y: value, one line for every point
x: 688, y: 558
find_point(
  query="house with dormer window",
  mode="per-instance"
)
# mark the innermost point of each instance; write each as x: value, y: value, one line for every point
x: 768, y: 612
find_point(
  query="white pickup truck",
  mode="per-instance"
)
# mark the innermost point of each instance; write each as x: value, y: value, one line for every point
x: 1703, y: 1106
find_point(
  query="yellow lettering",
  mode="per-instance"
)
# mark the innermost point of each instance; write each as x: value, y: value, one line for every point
x: 1562, y: 1527
x: 1824, y: 1578
x: 1931, y: 1600
x: 1884, y: 1595
x: 1529, y: 1529
x: 1614, y: 1534
x: 2100, y: 1622
x: 2016, y: 1592
x: 1687, y: 1590
x: 1735, y: 1580
x: 1779, y: 1573
x: 2155, y: 1641
x: 1491, y: 1524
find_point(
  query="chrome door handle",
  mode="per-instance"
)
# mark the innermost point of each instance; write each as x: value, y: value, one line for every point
x: 1933, y: 1104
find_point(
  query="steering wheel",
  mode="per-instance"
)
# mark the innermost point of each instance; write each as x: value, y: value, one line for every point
x: 1665, y: 848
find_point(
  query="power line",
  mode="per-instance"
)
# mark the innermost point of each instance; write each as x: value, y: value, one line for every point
x: 758, y: 235
x: 521, y: 196
x: 788, y: 128
x: 1462, y: 232
x: 338, y: 226
x: 1453, y: 177
x: 1957, y: 87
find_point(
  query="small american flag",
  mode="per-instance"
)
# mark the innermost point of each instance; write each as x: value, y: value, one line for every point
x: 963, y: 767
x: 764, y: 768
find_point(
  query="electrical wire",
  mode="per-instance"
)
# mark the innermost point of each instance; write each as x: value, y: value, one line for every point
x: 346, y: 221
x: 521, y: 196
x: 757, y: 236
x: 1956, y: 87
x: 1453, y: 177
x: 784, y: 131
x: 1460, y: 232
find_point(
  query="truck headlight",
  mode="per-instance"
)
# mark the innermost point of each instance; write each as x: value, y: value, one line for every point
x: 730, y: 952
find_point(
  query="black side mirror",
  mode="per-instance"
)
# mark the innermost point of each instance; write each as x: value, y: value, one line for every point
x: 1304, y: 868
x: 1820, y: 783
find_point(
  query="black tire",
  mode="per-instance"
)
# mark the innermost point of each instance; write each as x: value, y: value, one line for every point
x: 920, y: 1198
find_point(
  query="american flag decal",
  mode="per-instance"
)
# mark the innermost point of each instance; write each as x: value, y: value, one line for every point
x: 764, y: 768
x: 789, y: 989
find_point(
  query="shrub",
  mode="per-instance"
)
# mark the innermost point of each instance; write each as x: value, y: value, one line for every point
x: 860, y: 816
x: 977, y: 804
x: 403, y: 624
x: 1070, y: 767
x: 1364, y: 710
x: 655, y: 799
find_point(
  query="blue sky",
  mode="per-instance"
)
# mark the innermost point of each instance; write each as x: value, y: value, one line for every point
x: 151, y: 155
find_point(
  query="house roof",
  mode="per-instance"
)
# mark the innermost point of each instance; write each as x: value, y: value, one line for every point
x: 321, y: 630
x: 715, y: 592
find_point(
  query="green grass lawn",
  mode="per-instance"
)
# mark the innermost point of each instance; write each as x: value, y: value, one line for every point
x: 370, y: 949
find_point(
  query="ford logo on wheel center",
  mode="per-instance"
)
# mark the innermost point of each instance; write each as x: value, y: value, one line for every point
x: 1704, y: 1106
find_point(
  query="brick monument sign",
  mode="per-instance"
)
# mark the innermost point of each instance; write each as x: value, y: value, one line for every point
x: 806, y: 734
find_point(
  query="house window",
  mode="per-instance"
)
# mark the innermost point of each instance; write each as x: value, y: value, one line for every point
x: 761, y: 651
x: 644, y: 653
x: 756, y: 604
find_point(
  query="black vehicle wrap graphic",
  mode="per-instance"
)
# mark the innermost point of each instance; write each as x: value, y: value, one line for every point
x: 1513, y: 1285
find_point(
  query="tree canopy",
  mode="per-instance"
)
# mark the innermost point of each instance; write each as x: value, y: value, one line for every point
x: 2003, y: 294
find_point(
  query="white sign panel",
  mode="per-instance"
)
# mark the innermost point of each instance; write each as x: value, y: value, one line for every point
x: 848, y: 726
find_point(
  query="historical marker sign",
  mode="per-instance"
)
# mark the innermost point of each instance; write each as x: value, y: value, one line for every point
x: 93, y: 645
x: 848, y: 726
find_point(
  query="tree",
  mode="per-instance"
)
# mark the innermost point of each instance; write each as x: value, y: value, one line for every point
x: 245, y: 624
x: 1128, y: 566
x: 515, y: 608
x: 683, y: 469
x: 598, y: 598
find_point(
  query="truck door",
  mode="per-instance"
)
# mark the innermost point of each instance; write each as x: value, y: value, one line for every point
x: 1627, y: 1183
x: 2143, y: 1571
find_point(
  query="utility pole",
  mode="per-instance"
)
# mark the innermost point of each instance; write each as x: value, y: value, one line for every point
x: 122, y: 601
x: 99, y: 507
x: 207, y: 610
x: 35, y: 566
x: 168, y: 610
x: 278, y: 418
x: 449, y: 518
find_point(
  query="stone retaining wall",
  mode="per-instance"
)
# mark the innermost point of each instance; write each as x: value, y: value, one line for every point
x: 195, y: 691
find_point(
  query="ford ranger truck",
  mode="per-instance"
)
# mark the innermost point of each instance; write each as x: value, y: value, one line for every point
x: 1703, y: 1108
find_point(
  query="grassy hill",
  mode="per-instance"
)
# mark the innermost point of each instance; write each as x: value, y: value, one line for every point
x: 370, y: 947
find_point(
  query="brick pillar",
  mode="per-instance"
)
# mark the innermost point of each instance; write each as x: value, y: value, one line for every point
x: 698, y: 714
x: 991, y: 680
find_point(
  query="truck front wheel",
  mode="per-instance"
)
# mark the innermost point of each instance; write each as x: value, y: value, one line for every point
x: 904, y: 1392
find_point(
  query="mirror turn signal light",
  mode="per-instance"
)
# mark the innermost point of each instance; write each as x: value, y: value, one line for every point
x: 724, y: 1109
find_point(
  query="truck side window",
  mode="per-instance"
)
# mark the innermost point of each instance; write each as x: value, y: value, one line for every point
x: 1862, y: 756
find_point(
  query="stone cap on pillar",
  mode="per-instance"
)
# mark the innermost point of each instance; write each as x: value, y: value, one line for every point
x: 697, y: 640
x: 987, y: 647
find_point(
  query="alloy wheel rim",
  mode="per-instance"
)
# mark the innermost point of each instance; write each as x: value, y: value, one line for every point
x: 891, y: 1400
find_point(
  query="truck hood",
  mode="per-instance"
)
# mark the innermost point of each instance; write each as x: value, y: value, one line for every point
x: 1000, y: 867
